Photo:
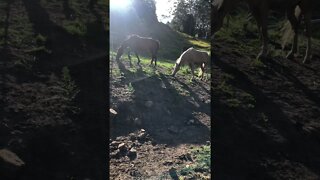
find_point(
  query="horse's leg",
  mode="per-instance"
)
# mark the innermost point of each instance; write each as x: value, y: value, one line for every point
x: 307, y: 19
x: 129, y: 57
x: 294, y: 25
x: 191, y: 65
x: 155, y: 60
x: 202, y: 70
x: 137, y: 57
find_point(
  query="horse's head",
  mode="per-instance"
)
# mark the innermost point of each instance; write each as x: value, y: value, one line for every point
x: 219, y: 10
x: 175, y: 69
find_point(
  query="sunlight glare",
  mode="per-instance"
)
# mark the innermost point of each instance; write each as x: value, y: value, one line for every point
x: 120, y: 4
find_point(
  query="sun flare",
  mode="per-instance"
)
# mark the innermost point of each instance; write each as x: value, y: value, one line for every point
x: 120, y: 4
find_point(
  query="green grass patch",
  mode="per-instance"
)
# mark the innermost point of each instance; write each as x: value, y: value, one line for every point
x: 201, y: 166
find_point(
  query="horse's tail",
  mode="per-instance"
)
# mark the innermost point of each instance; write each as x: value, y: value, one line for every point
x: 287, y: 30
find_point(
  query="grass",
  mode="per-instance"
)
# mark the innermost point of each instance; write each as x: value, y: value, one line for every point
x: 201, y: 166
x: 164, y: 65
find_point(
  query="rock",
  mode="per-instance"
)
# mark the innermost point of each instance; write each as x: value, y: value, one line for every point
x: 149, y: 104
x: 142, y: 136
x: 112, y: 111
x: 114, y: 145
x: 120, y: 138
x: 10, y: 164
x: 208, y: 143
x: 132, y: 154
x: 122, y: 147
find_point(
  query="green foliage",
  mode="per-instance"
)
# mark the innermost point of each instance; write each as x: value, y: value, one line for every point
x: 202, y: 162
x: 192, y: 17
x: 130, y: 88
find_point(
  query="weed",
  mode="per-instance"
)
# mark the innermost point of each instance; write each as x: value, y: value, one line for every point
x: 130, y: 88
x: 202, y: 163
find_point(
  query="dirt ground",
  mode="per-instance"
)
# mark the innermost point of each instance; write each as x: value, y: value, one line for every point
x: 266, y: 115
x: 160, y: 117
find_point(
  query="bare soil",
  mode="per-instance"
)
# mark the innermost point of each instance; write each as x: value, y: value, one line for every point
x: 160, y: 117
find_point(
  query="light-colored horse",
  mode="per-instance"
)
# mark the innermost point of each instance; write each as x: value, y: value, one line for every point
x: 295, y: 10
x: 193, y: 58
x: 140, y: 44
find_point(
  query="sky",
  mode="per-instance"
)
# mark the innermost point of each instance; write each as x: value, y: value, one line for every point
x: 163, y: 8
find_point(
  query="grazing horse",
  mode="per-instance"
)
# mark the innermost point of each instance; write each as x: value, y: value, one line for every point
x: 295, y: 10
x: 140, y: 44
x: 193, y: 58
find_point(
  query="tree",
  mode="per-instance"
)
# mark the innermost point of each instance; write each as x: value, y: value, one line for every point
x: 192, y: 17
x: 146, y: 10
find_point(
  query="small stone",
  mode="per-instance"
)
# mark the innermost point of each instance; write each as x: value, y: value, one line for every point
x: 10, y: 164
x: 114, y: 143
x: 122, y: 147
x: 112, y: 111
x: 142, y: 136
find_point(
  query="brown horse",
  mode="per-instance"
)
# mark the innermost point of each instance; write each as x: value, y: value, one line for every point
x: 294, y: 9
x: 140, y: 44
